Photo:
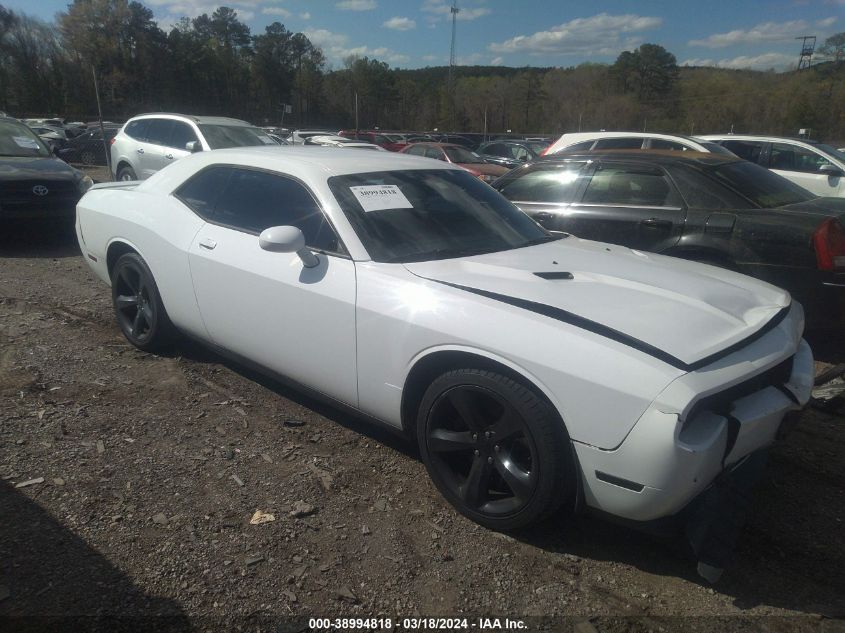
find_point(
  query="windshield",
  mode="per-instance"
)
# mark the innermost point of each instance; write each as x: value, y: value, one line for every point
x: 18, y: 140
x: 538, y: 146
x: 764, y: 188
x: 827, y: 149
x: 715, y: 148
x: 461, y: 155
x: 423, y: 215
x: 222, y: 136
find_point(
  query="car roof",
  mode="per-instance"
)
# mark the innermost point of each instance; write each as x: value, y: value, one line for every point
x: 317, y: 161
x: 207, y: 120
x: 437, y: 144
x: 757, y: 137
x: 509, y: 141
x: 575, y: 136
x: 646, y: 155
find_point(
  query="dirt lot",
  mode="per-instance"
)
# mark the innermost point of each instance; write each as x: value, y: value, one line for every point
x: 148, y: 469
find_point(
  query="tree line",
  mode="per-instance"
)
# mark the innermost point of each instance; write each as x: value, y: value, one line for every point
x: 214, y: 65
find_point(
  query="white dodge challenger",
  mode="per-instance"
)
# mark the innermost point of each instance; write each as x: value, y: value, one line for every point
x: 532, y: 368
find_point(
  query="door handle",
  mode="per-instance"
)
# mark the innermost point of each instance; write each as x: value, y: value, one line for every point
x: 208, y: 244
x: 170, y: 156
x: 543, y: 215
x: 140, y: 150
x: 654, y: 223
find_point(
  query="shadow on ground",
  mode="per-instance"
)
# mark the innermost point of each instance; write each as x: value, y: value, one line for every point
x: 38, y: 239
x: 51, y: 580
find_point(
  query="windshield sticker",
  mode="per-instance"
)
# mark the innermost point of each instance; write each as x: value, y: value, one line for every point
x: 266, y: 140
x: 381, y: 197
x: 27, y: 143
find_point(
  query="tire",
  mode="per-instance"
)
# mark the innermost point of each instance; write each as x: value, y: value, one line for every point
x: 494, y: 448
x: 126, y: 173
x: 137, y: 304
x: 87, y: 157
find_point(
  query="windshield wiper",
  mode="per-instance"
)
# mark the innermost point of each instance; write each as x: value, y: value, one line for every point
x: 544, y: 239
x: 440, y: 253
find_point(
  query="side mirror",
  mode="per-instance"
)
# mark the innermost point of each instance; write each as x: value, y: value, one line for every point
x: 287, y: 239
x: 193, y: 146
x: 830, y: 170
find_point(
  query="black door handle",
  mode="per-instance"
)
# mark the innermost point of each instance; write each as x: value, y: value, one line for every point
x: 654, y: 223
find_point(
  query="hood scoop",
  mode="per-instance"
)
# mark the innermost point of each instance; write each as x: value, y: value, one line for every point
x: 555, y: 275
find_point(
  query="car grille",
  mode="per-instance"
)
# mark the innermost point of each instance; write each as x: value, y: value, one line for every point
x: 19, y: 195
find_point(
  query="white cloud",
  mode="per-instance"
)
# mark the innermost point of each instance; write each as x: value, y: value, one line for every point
x: 432, y: 58
x: 305, y: 16
x: 356, y: 5
x: 276, y: 11
x: 766, y: 61
x: 400, y: 24
x: 827, y: 21
x: 497, y: 61
x: 764, y: 32
x: 600, y: 34
x: 440, y: 9
x: 336, y: 48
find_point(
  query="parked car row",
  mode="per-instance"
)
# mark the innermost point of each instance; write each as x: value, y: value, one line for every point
x: 815, y: 166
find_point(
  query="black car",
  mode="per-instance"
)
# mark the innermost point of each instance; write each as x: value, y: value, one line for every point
x: 88, y: 148
x: 33, y: 182
x: 511, y: 153
x: 712, y: 208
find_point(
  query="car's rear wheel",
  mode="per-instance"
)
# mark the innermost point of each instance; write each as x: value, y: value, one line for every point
x: 126, y: 173
x: 494, y: 448
x: 137, y: 304
x: 87, y: 157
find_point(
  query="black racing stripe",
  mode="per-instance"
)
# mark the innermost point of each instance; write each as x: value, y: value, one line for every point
x: 577, y: 321
x: 620, y: 337
x: 770, y: 325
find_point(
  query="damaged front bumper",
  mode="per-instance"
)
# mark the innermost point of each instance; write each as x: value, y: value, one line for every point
x: 668, y: 459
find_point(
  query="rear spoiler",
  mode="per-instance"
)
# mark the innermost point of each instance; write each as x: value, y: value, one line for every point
x: 121, y: 184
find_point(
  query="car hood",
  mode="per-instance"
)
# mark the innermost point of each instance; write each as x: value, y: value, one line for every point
x: 34, y: 168
x: 681, y: 312
x: 487, y: 169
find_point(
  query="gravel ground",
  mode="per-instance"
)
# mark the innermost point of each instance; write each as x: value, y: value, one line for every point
x: 128, y: 481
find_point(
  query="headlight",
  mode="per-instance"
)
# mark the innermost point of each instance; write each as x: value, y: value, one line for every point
x: 85, y: 183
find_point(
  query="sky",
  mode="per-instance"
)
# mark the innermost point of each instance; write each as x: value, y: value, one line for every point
x: 417, y: 33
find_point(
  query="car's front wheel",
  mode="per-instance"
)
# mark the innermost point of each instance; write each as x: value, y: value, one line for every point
x: 126, y: 173
x: 137, y: 304
x: 494, y: 448
x: 87, y: 157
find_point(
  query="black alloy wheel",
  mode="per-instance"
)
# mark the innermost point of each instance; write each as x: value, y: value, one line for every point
x: 87, y: 157
x: 493, y: 449
x: 137, y: 304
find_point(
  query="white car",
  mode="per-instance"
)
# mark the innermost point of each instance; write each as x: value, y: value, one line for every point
x: 817, y: 167
x: 331, y: 140
x: 149, y: 142
x: 589, y: 141
x: 533, y: 369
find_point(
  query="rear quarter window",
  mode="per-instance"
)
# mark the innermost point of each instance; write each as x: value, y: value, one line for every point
x: 201, y: 192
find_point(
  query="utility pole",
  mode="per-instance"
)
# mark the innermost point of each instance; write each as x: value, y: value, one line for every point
x: 451, y: 84
x: 102, y: 129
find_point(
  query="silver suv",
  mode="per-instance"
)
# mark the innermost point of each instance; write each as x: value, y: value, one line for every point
x: 149, y: 142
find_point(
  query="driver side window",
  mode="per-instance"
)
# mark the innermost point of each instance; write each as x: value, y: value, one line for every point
x: 250, y: 201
